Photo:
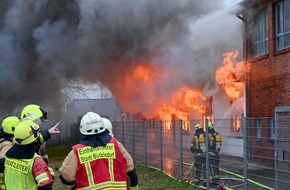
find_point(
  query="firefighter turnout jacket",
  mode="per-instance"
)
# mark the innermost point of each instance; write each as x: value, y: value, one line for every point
x: 22, y: 174
x: 215, y: 142
x: 197, y: 145
x: 101, y: 167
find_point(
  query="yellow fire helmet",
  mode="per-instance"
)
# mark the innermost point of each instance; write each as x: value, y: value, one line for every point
x: 33, y: 112
x: 9, y: 124
x: 210, y: 125
x: 26, y: 132
x: 198, y: 126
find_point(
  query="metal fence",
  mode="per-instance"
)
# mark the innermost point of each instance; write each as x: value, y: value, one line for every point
x: 254, y: 156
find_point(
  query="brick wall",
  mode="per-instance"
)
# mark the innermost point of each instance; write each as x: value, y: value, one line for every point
x: 269, y: 78
x: 268, y: 84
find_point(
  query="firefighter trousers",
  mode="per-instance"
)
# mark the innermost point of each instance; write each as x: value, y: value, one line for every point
x: 214, y: 161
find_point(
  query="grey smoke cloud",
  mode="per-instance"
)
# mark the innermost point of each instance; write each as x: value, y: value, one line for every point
x: 43, y: 41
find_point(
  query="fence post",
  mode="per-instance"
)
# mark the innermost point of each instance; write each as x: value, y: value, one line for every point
x: 245, y: 147
x: 161, y: 146
x: 181, y: 151
x: 276, y: 151
x: 133, y: 140
x: 206, y: 155
x: 123, y: 132
x: 145, y: 140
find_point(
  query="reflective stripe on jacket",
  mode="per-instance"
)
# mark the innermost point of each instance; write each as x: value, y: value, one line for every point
x: 100, y: 167
x: 215, y: 142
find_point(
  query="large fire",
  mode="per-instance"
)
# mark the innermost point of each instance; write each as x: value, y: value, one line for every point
x: 181, y: 102
x: 182, y: 99
x: 231, y: 76
x: 177, y: 106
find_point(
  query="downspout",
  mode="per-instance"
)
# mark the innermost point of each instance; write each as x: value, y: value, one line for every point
x: 246, y: 111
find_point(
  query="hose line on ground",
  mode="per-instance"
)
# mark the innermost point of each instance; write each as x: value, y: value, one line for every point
x: 231, y: 173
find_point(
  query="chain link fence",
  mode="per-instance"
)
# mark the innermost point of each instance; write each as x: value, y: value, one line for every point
x: 254, y: 156
x: 254, y: 153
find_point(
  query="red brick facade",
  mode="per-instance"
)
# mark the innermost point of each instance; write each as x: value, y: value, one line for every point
x: 268, y: 81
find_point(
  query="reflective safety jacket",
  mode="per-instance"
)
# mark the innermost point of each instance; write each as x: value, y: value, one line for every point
x: 215, y: 143
x: 100, y: 167
x: 198, y: 146
x: 19, y: 174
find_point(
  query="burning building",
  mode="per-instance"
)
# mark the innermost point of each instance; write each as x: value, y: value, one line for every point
x: 224, y: 106
x: 159, y: 58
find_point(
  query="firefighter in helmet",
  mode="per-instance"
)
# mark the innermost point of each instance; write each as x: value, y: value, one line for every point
x: 6, y: 141
x: 38, y: 115
x: 198, y: 149
x: 7, y: 133
x: 99, y: 161
x: 215, y: 144
x: 132, y: 177
x: 23, y: 164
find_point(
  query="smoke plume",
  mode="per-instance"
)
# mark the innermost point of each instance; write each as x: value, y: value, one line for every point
x: 43, y: 42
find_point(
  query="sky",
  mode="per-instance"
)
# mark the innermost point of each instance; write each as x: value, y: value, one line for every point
x: 46, y: 42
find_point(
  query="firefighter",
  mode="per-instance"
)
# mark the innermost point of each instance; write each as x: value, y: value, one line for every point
x: 7, y: 133
x: 38, y: 115
x: 6, y: 141
x: 198, y: 149
x: 25, y: 169
x: 98, y: 161
x: 215, y: 144
x: 132, y: 175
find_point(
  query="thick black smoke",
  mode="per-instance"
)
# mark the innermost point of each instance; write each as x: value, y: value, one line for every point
x: 43, y: 42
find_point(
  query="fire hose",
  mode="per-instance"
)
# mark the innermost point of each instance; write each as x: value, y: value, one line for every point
x: 239, y: 177
x: 221, y: 186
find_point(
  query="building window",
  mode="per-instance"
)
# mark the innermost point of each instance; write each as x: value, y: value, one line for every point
x: 167, y: 125
x: 258, y: 129
x: 260, y: 35
x: 282, y: 14
x: 185, y: 124
x: 236, y: 123
x: 272, y: 128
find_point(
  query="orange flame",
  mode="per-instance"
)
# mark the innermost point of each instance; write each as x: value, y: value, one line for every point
x: 181, y: 102
x: 232, y: 75
x: 140, y: 88
x: 143, y: 79
x: 142, y: 83
x: 143, y: 73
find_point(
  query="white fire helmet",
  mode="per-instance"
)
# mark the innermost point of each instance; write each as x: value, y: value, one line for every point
x: 92, y: 123
x: 108, y: 125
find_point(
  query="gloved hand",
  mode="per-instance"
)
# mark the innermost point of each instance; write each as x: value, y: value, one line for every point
x: 133, y: 179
